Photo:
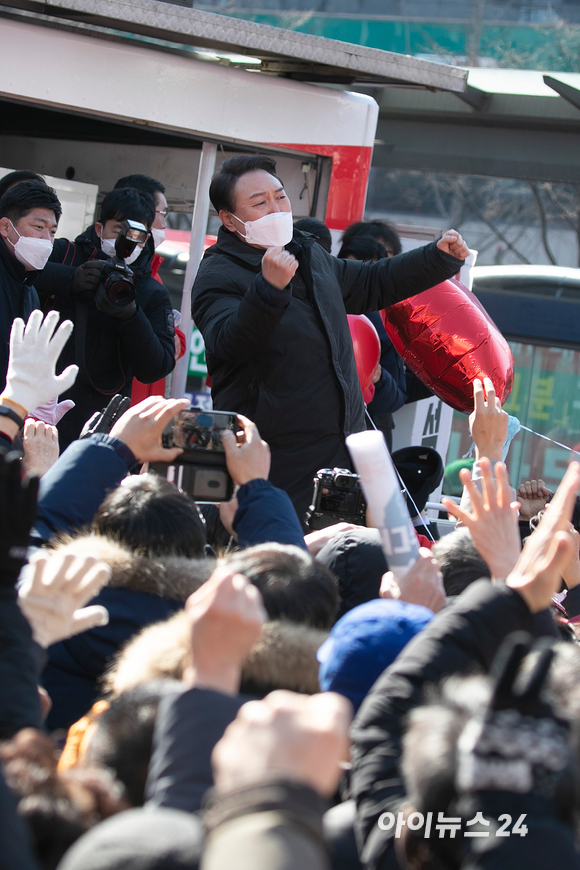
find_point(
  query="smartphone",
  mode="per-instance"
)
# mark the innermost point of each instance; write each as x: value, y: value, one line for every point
x: 196, y: 429
x: 201, y: 469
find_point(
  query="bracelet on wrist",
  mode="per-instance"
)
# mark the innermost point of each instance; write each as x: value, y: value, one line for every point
x: 17, y: 405
x: 11, y: 415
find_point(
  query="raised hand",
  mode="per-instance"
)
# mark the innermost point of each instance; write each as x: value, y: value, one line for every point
x: 54, y: 592
x: 452, y: 243
x: 226, y: 616
x: 488, y: 423
x: 532, y: 496
x: 539, y: 569
x: 278, y: 267
x: 141, y: 427
x: 493, y: 523
x: 247, y: 456
x: 40, y: 442
x: 423, y: 584
x: 285, y: 736
x: 34, y: 351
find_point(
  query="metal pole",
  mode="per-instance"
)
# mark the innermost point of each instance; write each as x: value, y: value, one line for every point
x: 196, y: 242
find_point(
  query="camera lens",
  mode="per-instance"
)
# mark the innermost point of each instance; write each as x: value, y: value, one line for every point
x: 119, y: 290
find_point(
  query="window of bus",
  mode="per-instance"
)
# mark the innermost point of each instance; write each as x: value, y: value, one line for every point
x: 546, y: 398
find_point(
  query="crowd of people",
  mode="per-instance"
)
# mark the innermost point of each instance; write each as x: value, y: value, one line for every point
x: 187, y: 687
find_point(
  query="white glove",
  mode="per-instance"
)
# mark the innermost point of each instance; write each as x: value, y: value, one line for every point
x: 52, y: 412
x: 34, y: 352
x: 53, y: 593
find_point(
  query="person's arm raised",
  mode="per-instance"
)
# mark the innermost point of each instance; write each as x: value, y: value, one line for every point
x: 72, y: 490
x: 264, y: 512
x: 493, y: 521
x: 31, y: 379
x: 372, y: 286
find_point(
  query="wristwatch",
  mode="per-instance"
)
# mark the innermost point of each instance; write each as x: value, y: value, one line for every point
x: 12, y: 415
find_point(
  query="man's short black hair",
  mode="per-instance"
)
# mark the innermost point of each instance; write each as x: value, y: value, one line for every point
x: 151, y: 517
x: 19, y: 200
x: 382, y: 231
x: 223, y: 184
x: 141, y: 182
x: 18, y: 177
x: 316, y: 228
x: 363, y: 248
x: 294, y: 586
x: 128, y: 204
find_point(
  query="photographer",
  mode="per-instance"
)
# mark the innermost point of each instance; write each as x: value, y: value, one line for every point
x: 111, y: 343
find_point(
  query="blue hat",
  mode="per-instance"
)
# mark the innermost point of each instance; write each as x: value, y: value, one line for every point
x: 364, y: 642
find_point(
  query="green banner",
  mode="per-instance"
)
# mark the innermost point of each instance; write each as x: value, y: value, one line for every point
x: 197, y: 366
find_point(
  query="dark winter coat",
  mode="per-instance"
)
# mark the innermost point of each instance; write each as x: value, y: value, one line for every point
x: 18, y: 298
x: 116, y: 351
x: 284, y: 358
x: 462, y: 639
x: 141, y: 591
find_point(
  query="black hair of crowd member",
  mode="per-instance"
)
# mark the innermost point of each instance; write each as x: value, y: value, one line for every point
x: 382, y: 231
x: 20, y: 199
x: 223, y: 184
x: 153, y: 518
x: 294, y: 586
x: 17, y: 177
x: 459, y: 561
x: 318, y: 229
x: 128, y: 204
x: 141, y: 182
x: 363, y: 248
x: 123, y: 735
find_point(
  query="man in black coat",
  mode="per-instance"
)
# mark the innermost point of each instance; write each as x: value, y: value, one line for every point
x: 29, y: 215
x: 116, y: 344
x: 271, y: 306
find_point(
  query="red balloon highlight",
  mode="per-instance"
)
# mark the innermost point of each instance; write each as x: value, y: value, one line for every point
x: 367, y: 348
x: 448, y: 340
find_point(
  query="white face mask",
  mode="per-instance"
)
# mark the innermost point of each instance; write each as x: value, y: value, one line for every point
x: 158, y: 236
x: 108, y: 247
x: 271, y: 231
x: 132, y: 257
x: 31, y: 251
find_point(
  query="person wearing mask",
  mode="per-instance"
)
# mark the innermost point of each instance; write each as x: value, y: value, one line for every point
x: 149, y: 259
x: 110, y: 344
x: 271, y: 305
x: 29, y: 215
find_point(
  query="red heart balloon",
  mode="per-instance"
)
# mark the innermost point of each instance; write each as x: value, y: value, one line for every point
x: 448, y: 339
x: 367, y: 348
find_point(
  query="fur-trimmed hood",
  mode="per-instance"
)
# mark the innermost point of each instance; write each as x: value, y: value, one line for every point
x: 173, y: 577
x: 283, y: 658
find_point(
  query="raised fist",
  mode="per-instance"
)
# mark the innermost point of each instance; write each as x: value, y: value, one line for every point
x: 278, y: 267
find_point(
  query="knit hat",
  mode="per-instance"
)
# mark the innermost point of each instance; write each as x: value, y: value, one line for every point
x: 421, y: 470
x: 140, y: 839
x: 364, y: 642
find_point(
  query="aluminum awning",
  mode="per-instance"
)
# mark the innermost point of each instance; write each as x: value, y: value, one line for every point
x: 280, y: 52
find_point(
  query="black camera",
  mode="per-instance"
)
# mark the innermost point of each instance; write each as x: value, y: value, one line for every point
x: 201, y: 469
x: 337, y: 498
x: 116, y: 276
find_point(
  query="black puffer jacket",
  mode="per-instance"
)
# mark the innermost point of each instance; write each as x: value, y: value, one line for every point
x: 269, y: 352
x: 17, y: 299
x: 284, y: 358
x: 116, y: 351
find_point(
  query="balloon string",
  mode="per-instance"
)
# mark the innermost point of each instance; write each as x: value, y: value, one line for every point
x: 405, y: 490
x: 551, y: 440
